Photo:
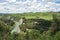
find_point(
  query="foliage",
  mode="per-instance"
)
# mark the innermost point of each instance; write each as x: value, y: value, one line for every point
x: 31, y: 30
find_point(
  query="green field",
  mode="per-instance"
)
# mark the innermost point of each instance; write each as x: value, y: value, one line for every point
x: 43, y: 15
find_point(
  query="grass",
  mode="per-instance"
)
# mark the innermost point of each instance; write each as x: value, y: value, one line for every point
x: 43, y: 15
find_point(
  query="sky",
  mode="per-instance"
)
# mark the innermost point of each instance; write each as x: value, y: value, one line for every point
x: 21, y: 6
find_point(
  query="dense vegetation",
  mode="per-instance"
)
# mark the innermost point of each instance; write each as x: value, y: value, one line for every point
x: 38, y: 26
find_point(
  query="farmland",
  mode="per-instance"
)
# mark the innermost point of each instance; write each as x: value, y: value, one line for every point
x: 44, y: 15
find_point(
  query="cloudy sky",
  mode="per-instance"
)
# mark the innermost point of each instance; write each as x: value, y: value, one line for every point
x: 20, y: 6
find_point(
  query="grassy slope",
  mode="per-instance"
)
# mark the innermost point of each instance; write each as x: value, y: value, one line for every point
x: 43, y: 15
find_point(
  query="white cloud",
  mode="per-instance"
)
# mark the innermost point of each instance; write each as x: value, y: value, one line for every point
x: 11, y: 0
x: 28, y: 6
x: 47, y: 0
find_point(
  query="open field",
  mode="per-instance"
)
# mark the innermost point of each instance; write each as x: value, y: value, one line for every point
x: 43, y: 15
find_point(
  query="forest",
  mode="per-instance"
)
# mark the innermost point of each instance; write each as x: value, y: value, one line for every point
x: 31, y: 26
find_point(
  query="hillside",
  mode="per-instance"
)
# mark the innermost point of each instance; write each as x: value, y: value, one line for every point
x: 33, y: 26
